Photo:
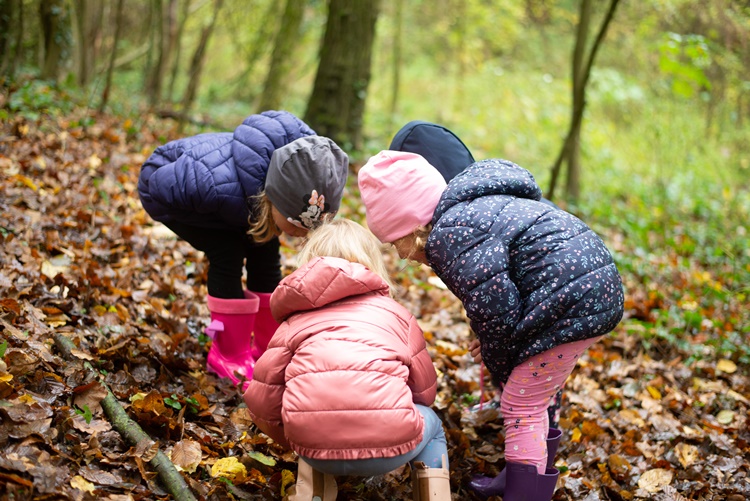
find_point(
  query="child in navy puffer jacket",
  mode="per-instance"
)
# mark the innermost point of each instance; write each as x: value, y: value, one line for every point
x: 230, y: 195
x: 538, y: 285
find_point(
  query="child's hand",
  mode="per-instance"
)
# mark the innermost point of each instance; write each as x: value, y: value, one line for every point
x: 475, y: 349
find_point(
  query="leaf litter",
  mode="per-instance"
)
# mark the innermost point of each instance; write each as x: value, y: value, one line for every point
x: 81, y: 259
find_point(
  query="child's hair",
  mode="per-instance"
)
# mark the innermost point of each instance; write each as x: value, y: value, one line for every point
x: 419, y: 236
x: 262, y: 226
x: 348, y: 240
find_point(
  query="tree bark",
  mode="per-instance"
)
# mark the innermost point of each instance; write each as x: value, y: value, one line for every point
x: 199, y: 56
x: 170, y: 478
x: 155, y: 73
x: 337, y: 103
x: 398, y: 22
x: 577, y: 115
x: 88, y: 18
x: 54, y: 19
x: 287, y: 39
x: 258, y: 46
x: 7, y: 8
x: 178, y: 48
x: 572, y: 187
x: 112, y: 56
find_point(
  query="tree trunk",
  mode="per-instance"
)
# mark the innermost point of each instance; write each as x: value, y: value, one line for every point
x: 286, y: 41
x: 7, y: 8
x: 258, y: 46
x: 199, y: 56
x: 112, y: 57
x: 88, y: 18
x: 398, y: 23
x: 178, y: 47
x: 573, y: 185
x: 156, y: 72
x: 577, y: 114
x: 19, y: 40
x: 337, y: 103
x: 55, y: 23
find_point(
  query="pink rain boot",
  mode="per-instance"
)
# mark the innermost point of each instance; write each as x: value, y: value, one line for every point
x: 265, y: 325
x: 231, y: 328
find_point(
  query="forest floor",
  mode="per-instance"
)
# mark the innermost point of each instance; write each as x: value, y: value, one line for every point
x: 92, y: 291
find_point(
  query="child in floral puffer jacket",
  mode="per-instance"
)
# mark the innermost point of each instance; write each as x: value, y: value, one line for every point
x: 347, y: 381
x: 538, y: 285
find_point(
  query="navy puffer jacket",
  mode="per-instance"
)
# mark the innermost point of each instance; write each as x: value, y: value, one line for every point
x: 531, y: 276
x: 206, y: 180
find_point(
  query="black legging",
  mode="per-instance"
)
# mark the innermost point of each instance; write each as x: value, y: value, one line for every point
x: 227, y: 251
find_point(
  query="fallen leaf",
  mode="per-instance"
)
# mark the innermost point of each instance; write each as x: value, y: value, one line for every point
x: 186, y: 455
x: 725, y: 365
x: 656, y: 479
x: 229, y: 468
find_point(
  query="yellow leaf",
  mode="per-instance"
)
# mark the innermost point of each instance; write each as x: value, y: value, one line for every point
x: 725, y: 417
x: 655, y: 394
x: 655, y: 480
x: 687, y: 454
x: 82, y: 484
x: 727, y: 366
x: 94, y: 161
x: 27, y: 181
x: 287, y: 479
x: 229, y: 468
x: 575, y: 436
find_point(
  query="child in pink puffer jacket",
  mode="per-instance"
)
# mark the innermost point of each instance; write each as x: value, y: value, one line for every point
x: 347, y: 381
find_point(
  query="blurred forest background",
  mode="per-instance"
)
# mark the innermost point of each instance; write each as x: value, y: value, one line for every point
x: 632, y: 114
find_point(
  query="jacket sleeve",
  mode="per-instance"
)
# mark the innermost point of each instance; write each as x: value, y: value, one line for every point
x: 265, y: 392
x: 422, y: 375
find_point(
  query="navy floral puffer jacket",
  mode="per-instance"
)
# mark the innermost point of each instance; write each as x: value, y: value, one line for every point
x: 531, y: 276
x: 206, y: 180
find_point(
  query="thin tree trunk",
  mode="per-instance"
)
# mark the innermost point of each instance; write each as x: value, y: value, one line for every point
x: 572, y: 187
x: 153, y: 83
x: 178, y: 48
x: 196, y: 67
x: 398, y: 22
x: 112, y: 55
x: 287, y: 39
x: 258, y: 45
x: 88, y: 18
x: 19, y: 40
x: 337, y: 103
x: 53, y: 16
x: 578, y: 112
x: 7, y: 8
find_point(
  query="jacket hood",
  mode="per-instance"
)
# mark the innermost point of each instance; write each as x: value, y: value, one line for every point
x: 322, y: 281
x: 486, y: 178
x: 438, y: 145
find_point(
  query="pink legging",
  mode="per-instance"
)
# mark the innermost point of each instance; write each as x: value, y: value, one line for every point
x: 526, y: 396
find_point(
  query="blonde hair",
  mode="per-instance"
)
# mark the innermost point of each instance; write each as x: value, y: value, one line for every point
x: 418, y: 239
x: 348, y: 240
x: 262, y: 226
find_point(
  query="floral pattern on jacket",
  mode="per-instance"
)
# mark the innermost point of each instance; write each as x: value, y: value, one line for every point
x: 531, y: 276
x: 344, y: 370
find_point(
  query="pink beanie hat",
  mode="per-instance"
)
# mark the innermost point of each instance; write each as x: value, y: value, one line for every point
x: 400, y: 191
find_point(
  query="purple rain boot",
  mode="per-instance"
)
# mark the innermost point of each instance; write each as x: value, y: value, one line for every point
x: 526, y: 484
x: 495, y: 486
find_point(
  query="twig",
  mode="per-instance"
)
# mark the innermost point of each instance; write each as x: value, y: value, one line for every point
x: 130, y: 430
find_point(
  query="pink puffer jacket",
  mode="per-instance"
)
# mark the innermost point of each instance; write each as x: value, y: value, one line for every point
x: 343, y: 371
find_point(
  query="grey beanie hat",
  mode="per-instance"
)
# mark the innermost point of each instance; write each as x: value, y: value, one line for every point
x: 306, y: 179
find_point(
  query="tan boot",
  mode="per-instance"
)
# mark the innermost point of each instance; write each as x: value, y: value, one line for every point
x: 312, y: 485
x: 430, y: 484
